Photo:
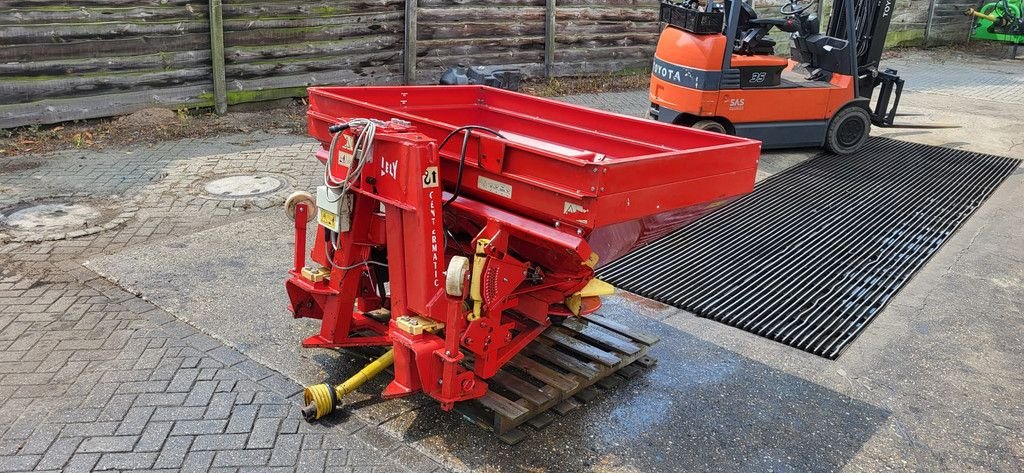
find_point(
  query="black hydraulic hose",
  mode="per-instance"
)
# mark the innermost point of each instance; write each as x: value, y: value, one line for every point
x: 462, y: 154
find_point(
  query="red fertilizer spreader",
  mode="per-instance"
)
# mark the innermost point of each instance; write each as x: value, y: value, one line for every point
x: 457, y: 223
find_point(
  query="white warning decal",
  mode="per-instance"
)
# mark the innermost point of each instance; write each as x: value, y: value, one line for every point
x: 571, y: 208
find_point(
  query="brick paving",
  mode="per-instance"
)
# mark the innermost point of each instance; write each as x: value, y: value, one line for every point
x: 94, y: 378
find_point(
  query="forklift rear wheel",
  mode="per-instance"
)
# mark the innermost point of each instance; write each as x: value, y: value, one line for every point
x: 848, y: 130
x: 710, y: 125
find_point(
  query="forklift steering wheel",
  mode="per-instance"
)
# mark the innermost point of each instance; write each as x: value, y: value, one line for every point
x: 794, y: 8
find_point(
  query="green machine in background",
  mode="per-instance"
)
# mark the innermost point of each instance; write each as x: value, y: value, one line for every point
x: 998, y: 21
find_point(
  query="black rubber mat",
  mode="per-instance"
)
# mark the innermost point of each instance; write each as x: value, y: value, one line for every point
x: 814, y: 253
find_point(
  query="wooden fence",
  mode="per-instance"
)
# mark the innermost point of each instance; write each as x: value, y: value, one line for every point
x: 77, y: 59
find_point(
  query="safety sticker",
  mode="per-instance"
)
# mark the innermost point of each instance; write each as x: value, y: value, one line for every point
x: 430, y: 177
x: 572, y: 208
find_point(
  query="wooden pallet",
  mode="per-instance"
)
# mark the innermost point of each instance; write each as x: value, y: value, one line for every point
x: 562, y: 369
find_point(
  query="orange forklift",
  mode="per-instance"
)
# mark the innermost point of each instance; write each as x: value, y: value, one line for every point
x: 715, y: 69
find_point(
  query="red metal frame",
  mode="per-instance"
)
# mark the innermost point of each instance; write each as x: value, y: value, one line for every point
x: 559, y: 179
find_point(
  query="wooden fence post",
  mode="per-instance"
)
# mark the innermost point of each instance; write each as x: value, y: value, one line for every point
x: 220, y: 95
x: 409, y: 51
x: 928, y: 23
x: 549, y: 38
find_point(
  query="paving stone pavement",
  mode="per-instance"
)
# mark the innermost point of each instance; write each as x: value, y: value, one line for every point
x: 94, y: 378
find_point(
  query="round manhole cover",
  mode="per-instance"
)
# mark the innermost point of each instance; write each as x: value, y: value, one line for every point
x: 52, y: 216
x: 61, y: 217
x: 240, y: 187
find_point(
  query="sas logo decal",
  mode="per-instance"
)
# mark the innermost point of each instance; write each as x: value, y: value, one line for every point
x: 736, y: 104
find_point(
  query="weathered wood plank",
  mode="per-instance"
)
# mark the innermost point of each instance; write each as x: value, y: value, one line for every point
x: 316, y: 34
x: 550, y: 31
x: 522, y: 14
x: 410, y: 45
x: 529, y: 62
x: 220, y: 95
x: 561, y: 337
x: 99, y: 3
x: 644, y: 41
x: 604, y: 54
x: 502, y: 406
x: 606, y: 14
x: 238, y: 24
x: 562, y: 360
x: 314, y: 50
x: 45, y: 50
x: 109, y: 30
x: 145, y: 62
x: 353, y: 63
x: 617, y: 327
x: 302, y: 10
x: 522, y: 388
x: 251, y: 90
x: 544, y: 374
x: 30, y: 90
x: 495, y: 29
x: 84, y: 14
x: 602, y: 336
x: 651, y: 4
x: 479, y: 3
x: 93, y: 106
x: 480, y: 46
x: 605, y: 27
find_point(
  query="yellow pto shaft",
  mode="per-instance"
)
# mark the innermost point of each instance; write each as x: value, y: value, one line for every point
x: 973, y: 12
x: 321, y: 399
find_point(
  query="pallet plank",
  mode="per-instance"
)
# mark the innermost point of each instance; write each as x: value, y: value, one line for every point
x: 611, y: 382
x: 602, y: 336
x: 559, y: 336
x: 501, y: 405
x: 566, y: 406
x: 566, y: 362
x: 587, y: 394
x: 544, y: 374
x: 570, y: 364
x: 614, y: 326
x: 630, y: 371
x: 521, y: 387
x: 542, y: 420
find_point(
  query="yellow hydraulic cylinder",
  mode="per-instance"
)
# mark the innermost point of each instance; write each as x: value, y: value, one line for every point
x: 321, y: 399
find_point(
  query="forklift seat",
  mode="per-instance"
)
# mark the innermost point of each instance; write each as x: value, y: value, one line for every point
x: 759, y: 60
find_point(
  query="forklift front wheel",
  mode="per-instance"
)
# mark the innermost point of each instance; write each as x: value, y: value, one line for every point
x: 710, y: 125
x: 848, y: 130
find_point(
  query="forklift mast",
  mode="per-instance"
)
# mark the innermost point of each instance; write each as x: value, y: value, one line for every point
x: 871, y: 19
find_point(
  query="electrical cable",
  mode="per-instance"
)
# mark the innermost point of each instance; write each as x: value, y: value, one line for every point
x: 361, y: 153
